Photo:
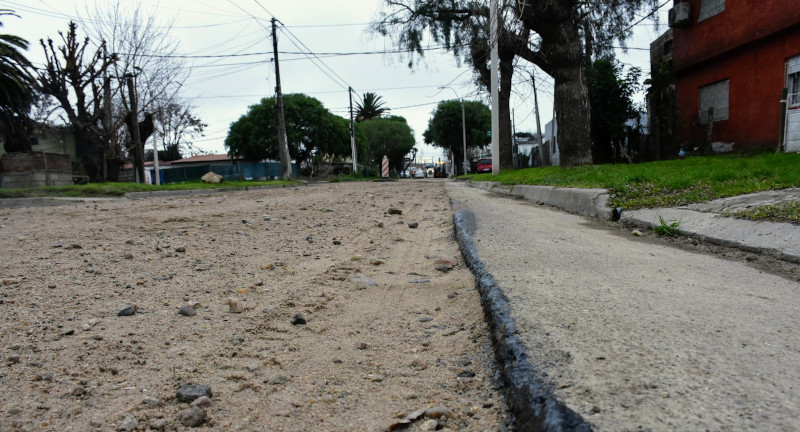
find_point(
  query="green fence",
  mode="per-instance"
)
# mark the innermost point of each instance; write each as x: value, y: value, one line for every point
x: 236, y: 171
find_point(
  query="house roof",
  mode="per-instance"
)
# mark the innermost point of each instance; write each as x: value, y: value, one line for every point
x: 203, y: 158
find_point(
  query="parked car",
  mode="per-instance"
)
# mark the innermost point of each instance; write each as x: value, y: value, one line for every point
x: 429, y: 172
x: 418, y: 173
x: 484, y: 165
x: 405, y: 174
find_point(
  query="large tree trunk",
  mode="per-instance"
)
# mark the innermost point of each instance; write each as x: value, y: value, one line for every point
x: 504, y: 104
x: 573, y: 113
x: 562, y: 58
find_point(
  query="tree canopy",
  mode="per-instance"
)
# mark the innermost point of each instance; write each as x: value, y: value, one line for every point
x: 611, y: 94
x: 371, y: 107
x: 15, y: 95
x: 558, y: 36
x: 445, y: 127
x: 390, y: 136
x: 310, y: 128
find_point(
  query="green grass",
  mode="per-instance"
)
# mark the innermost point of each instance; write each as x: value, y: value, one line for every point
x: 783, y: 212
x: 351, y: 178
x: 667, y: 228
x: 119, y: 189
x: 668, y: 183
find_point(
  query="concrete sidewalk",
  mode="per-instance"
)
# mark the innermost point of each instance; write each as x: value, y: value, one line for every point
x: 704, y: 221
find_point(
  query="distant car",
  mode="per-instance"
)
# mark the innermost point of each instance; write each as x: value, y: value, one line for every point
x: 419, y: 173
x: 484, y: 165
x: 429, y: 172
x: 405, y: 174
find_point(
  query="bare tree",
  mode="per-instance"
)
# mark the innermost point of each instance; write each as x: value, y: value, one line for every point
x: 146, y: 50
x: 72, y: 75
x: 176, y: 127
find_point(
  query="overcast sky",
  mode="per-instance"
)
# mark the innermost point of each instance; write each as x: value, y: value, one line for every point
x: 221, y: 88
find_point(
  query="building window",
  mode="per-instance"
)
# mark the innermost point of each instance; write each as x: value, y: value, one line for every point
x: 794, y: 90
x: 714, y: 96
x: 709, y: 8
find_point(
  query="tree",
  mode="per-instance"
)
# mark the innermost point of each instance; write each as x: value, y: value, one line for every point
x: 445, y: 127
x: 176, y: 126
x: 371, y: 107
x: 661, y: 95
x: 462, y: 26
x: 310, y: 128
x: 569, y: 33
x: 391, y: 137
x: 144, y: 48
x: 16, y: 96
x: 71, y: 76
x: 555, y: 35
x: 611, y: 96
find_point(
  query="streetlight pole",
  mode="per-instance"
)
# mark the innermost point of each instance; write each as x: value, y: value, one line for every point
x: 463, y: 128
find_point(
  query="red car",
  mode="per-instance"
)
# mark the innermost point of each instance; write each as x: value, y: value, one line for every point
x: 484, y: 165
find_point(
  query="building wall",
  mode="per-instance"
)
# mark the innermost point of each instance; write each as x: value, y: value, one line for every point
x: 747, y: 44
x: 754, y: 94
x: 742, y: 22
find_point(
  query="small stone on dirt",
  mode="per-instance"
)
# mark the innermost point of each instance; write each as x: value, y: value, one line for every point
x: 190, y: 392
x: 192, y: 417
x: 437, y: 411
x: 127, y: 311
x: 298, y: 319
x: 187, y: 311
x: 203, y: 402
x: 129, y: 423
x: 413, y: 225
x: 395, y: 211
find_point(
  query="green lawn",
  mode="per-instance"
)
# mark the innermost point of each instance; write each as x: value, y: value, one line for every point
x: 119, y: 189
x: 668, y: 183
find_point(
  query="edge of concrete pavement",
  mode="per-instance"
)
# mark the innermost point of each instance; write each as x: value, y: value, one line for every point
x: 703, y: 221
x: 530, y: 401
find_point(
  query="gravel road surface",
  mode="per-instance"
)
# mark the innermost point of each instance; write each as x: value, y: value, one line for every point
x: 296, y: 309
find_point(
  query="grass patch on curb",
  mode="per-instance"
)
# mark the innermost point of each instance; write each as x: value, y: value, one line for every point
x: 351, y: 178
x: 783, y: 212
x: 120, y: 189
x: 668, y: 183
x: 667, y: 228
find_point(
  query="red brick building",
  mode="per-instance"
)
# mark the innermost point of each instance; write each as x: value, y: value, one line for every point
x: 736, y: 57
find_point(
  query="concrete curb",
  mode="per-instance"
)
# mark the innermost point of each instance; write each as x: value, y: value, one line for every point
x: 533, y: 406
x: 586, y: 202
x: 190, y: 192
x: 775, y: 239
x: 11, y: 203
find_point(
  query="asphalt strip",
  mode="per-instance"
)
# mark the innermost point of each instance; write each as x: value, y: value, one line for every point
x: 530, y: 401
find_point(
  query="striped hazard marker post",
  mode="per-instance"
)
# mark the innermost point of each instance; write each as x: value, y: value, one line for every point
x: 385, y: 168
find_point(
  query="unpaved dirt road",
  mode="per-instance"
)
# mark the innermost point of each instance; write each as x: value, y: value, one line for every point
x: 638, y: 336
x: 386, y: 333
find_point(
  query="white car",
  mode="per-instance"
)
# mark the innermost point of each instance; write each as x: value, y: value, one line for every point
x: 418, y: 173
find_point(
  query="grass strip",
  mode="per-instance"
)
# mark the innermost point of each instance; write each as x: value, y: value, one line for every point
x: 668, y: 183
x: 119, y: 189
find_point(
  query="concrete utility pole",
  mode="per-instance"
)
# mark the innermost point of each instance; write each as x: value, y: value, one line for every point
x: 283, y: 147
x: 538, y: 122
x: 464, y: 135
x: 493, y: 77
x: 352, y: 131
x: 138, y: 150
x: 157, y: 180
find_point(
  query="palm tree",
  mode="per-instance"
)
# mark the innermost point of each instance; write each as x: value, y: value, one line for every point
x: 15, y: 93
x: 371, y: 107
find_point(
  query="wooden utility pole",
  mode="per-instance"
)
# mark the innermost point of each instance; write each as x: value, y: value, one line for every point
x: 138, y: 150
x: 283, y: 147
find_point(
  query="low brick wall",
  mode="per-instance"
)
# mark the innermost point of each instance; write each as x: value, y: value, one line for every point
x: 33, y: 169
x: 30, y: 161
